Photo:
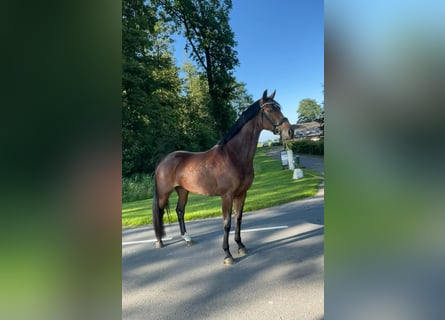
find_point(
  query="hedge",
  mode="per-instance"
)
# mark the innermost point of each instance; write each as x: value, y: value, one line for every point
x: 137, y: 187
x: 307, y: 146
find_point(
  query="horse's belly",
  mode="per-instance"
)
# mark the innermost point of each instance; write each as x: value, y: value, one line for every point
x: 199, y: 183
x: 209, y: 177
x: 200, y: 187
x: 201, y: 190
x: 209, y: 184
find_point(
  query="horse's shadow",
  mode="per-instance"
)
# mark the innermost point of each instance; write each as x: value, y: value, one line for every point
x: 288, y: 240
x: 271, y: 245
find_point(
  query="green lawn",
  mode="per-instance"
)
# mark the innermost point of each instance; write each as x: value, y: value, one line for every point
x: 272, y: 186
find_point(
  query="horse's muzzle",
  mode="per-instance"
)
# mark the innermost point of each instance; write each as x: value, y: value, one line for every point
x: 286, y: 132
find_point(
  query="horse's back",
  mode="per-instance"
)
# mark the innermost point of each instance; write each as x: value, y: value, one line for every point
x: 178, y: 159
x: 198, y: 172
x: 169, y: 165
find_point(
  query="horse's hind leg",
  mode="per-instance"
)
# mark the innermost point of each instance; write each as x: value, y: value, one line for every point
x: 180, y: 210
x: 238, y: 203
x: 160, y: 203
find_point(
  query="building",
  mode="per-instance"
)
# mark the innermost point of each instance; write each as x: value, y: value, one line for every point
x: 308, y: 130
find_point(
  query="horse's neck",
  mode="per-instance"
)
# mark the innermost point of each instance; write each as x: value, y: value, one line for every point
x: 243, y: 145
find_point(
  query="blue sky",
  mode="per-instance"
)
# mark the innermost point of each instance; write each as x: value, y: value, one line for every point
x: 280, y: 47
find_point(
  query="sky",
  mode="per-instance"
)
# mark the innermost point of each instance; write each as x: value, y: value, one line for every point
x: 280, y: 47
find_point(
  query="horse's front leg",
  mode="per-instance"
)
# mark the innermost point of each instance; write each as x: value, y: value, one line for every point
x: 227, y: 216
x: 238, y: 203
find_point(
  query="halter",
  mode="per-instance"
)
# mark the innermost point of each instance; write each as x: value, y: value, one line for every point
x: 274, y: 125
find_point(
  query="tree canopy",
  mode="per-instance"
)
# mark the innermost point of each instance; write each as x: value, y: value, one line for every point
x: 150, y: 87
x: 210, y: 43
x: 162, y: 111
x: 308, y: 110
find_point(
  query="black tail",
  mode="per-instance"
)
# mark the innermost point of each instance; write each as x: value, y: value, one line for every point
x: 158, y: 214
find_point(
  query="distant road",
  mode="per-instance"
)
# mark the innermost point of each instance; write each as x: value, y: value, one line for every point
x: 307, y: 161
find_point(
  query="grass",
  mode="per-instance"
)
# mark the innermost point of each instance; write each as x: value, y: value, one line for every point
x: 137, y: 187
x: 272, y: 186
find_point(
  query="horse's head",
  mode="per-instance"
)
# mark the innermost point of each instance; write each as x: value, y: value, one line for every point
x: 273, y: 119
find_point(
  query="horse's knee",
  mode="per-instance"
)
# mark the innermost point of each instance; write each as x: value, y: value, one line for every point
x: 226, y: 225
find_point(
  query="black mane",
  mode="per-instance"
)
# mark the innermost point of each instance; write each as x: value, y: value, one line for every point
x: 247, y: 115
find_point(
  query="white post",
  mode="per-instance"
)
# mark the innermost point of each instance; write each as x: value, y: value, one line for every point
x: 290, y: 157
x: 298, y: 173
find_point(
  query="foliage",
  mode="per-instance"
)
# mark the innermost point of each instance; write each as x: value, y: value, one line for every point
x: 320, y: 120
x: 161, y: 111
x: 195, y: 125
x: 265, y: 192
x: 242, y: 99
x: 308, y: 110
x: 306, y: 146
x: 150, y: 88
x: 210, y: 42
x: 137, y: 187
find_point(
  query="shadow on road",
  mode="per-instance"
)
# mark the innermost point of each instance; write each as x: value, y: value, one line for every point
x: 180, y: 282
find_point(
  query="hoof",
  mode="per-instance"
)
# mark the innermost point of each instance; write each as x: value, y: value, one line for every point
x: 159, y: 244
x: 228, y: 261
x: 187, y: 239
x: 242, y: 251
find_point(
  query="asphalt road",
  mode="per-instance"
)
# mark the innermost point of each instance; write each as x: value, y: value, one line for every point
x: 307, y: 161
x: 280, y: 278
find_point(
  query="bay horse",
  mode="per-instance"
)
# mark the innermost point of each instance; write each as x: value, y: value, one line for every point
x: 226, y: 170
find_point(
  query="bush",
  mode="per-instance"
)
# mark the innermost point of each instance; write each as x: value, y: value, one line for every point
x: 137, y: 187
x: 307, y: 146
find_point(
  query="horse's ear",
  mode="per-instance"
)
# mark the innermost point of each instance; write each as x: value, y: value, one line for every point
x: 272, y: 95
x: 264, y: 95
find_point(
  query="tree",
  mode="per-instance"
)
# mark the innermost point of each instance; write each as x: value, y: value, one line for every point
x: 160, y: 111
x: 210, y: 42
x: 150, y: 88
x: 320, y: 119
x: 308, y: 110
x: 195, y: 124
x: 241, y: 98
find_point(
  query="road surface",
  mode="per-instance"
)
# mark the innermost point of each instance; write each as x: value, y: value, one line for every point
x: 280, y: 278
